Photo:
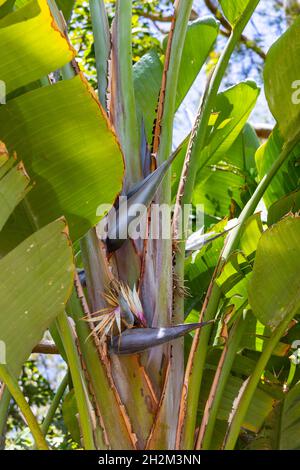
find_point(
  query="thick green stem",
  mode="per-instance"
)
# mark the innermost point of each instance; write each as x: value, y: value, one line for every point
x: 12, y: 384
x: 54, y: 405
x: 81, y: 395
x: 102, y: 46
x: 200, y: 345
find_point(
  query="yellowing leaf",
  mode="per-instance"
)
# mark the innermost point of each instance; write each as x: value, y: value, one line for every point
x: 31, y: 46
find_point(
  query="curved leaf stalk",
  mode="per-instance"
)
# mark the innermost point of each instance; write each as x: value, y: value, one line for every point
x: 82, y: 400
x: 102, y: 43
x: 54, y: 405
x: 194, y: 372
x: 244, y: 401
x: 5, y: 398
x: 233, y: 238
x: 216, y: 393
x: 196, y: 362
x: 13, y: 386
x: 196, y: 145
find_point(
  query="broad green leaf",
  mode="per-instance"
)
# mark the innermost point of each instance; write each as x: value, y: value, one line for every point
x: 260, y: 407
x: 34, y: 288
x: 235, y: 275
x: 31, y: 46
x: 281, y: 430
x: 250, y: 235
x: 66, y: 7
x: 234, y: 280
x: 287, y: 178
x: 226, y: 168
x: 282, y: 81
x: 244, y: 365
x: 255, y: 336
x: 198, y: 271
x: 233, y: 9
x: 4, y: 157
x: 14, y: 185
x: 236, y: 268
x: 200, y: 38
x: 21, y: 3
x: 70, y: 152
x: 6, y: 6
x: 274, y: 288
x: 284, y: 205
x: 232, y: 109
x: 227, y: 181
x: 290, y: 421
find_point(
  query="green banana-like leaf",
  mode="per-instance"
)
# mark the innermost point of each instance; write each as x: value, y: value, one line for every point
x: 287, y: 178
x: 234, y: 271
x: 226, y: 186
x: 281, y: 430
x: 230, y: 114
x: 31, y: 46
x: 233, y: 9
x: 235, y: 275
x: 274, y: 289
x: 34, y: 289
x: 250, y: 235
x: 6, y: 7
x: 284, y: 205
x: 260, y: 408
x: 198, y: 271
x: 200, y: 38
x: 282, y: 85
x: 227, y: 121
x: 69, y: 151
x: 255, y: 336
x: 66, y: 7
x: 14, y: 185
